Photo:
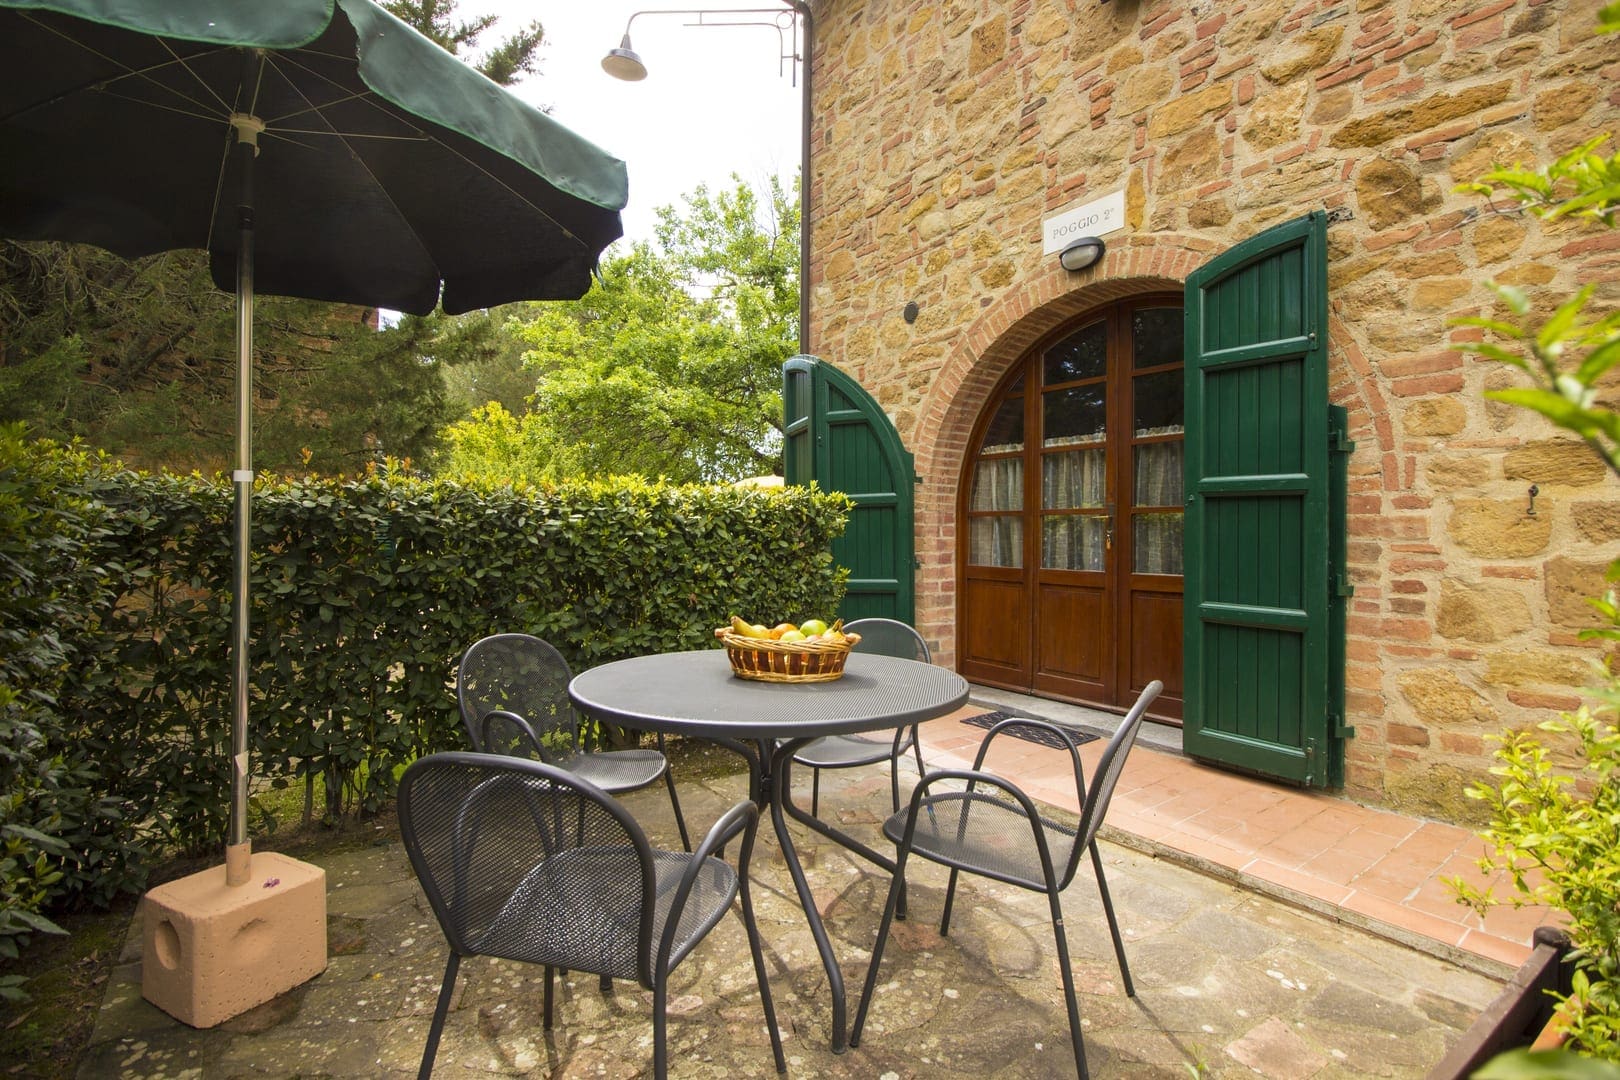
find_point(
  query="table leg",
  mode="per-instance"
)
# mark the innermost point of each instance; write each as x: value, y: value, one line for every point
x: 776, y: 781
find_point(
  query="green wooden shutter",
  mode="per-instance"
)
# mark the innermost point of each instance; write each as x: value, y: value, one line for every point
x: 838, y: 436
x: 1260, y: 585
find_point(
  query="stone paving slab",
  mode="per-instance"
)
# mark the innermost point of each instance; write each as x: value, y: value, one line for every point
x: 1229, y: 982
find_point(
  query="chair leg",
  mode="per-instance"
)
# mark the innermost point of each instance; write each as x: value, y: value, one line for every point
x: 605, y: 984
x: 895, y: 889
x: 1068, y: 984
x: 759, y: 973
x: 446, y: 990
x: 950, y: 897
x: 660, y: 1026
x: 1113, y: 924
x: 551, y: 973
x: 894, y: 782
x: 815, y: 792
x: 674, y: 799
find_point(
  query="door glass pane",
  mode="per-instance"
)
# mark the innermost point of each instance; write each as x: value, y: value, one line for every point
x: 1076, y: 415
x: 1157, y: 403
x: 996, y: 541
x: 1156, y: 336
x: 998, y: 484
x: 1081, y: 355
x: 1006, y: 431
x: 1158, y: 543
x: 1159, y: 474
x: 1073, y: 479
x: 1071, y: 542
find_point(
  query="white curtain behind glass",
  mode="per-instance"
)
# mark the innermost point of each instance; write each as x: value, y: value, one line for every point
x: 1157, y: 537
x: 998, y: 484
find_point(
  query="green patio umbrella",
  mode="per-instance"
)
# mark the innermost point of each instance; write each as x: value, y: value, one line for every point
x: 316, y: 148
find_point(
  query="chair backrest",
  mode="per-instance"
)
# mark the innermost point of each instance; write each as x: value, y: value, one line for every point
x: 523, y: 675
x: 523, y: 860
x: 1110, y: 766
x: 889, y: 637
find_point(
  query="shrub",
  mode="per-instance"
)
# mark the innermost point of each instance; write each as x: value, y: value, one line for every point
x: 115, y: 675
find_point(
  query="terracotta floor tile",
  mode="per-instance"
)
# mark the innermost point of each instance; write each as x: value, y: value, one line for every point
x: 1406, y: 918
x: 1374, y: 862
x: 1512, y: 953
x: 1335, y: 865
x: 1289, y: 878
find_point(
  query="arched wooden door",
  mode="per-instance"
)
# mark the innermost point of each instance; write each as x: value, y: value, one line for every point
x: 1071, y: 515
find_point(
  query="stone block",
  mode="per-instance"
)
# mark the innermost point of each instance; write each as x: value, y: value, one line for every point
x: 1438, y: 696
x: 1481, y: 612
x: 1311, y: 50
x: 989, y: 44
x: 1405, y: 120
x: 1521, y: 667
x: 1570, y: 583
x: 1494, y: 529
x: 1435, y: 416
x: 1388, y: 192
x: 1554, y: 461
x: 212, y: 951
x: 1598, y: 522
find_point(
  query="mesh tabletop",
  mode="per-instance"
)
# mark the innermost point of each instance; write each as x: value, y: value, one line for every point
x: 695, y: 693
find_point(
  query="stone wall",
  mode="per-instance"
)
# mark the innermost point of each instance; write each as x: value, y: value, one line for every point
x: 945, y: 132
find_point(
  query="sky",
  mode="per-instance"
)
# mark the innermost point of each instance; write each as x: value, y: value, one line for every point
x: 712, y: 104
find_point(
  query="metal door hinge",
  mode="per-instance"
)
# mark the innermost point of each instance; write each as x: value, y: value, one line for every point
x: 1342, y: 586
x: 1338, y: 442
x: 1339, y: 728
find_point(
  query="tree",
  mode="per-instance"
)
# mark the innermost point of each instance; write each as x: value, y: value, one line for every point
x: 138, y: 358
x: 671, y: 365
x: 436, y: 20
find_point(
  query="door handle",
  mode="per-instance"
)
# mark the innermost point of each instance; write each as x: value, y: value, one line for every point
x: 1108, y: 526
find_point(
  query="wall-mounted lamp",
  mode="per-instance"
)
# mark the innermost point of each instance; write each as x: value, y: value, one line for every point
x: 1082, y: 253
x: 623, y: 63
x: 795, y: 33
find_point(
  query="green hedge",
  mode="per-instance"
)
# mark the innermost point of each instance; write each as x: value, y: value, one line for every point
x: 115, y: 678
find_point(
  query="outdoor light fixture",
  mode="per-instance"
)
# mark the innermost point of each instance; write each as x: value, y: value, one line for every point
x: 1082, y: 253
x: 623, y: 63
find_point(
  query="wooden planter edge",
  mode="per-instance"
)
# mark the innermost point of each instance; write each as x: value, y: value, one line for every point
x: 1519, y: 1011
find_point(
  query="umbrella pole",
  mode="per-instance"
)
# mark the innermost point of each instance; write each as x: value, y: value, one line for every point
x: 238, y: 849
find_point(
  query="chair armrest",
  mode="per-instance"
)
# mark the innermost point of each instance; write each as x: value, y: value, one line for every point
x: 972, y: 777
x: 516, y: 721
x: 742, y: 818
x: 919, y: 802
x: 1040, y: 725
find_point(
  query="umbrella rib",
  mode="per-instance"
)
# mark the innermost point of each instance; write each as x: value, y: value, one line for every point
x: 371, y: 98
x: 128, y: 72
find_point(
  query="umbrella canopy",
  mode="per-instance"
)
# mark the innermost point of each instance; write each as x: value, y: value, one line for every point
x: 316, y: 148
x: 385, y: 165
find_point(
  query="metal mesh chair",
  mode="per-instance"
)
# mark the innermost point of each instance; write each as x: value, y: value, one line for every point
x: 886, y: 637
x: 513, y: 692
x: 524, y: 861
x: 1001, y: 835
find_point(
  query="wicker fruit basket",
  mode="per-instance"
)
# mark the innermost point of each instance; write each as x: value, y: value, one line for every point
x: 768, y: 660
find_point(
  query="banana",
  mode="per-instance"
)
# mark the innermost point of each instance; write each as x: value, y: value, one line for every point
x: 743, y: 629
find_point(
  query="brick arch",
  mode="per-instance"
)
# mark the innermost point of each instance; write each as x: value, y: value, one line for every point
x: 1007, y: 328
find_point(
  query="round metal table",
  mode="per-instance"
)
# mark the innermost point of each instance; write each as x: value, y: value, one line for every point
x: 695, y: 694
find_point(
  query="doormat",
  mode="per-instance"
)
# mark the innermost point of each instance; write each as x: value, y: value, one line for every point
x: 1029, y: 734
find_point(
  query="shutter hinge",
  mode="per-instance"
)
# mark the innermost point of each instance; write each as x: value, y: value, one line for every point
x: 1341, y: 584
x: 1338, y: 442
x: 1339, y: 728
